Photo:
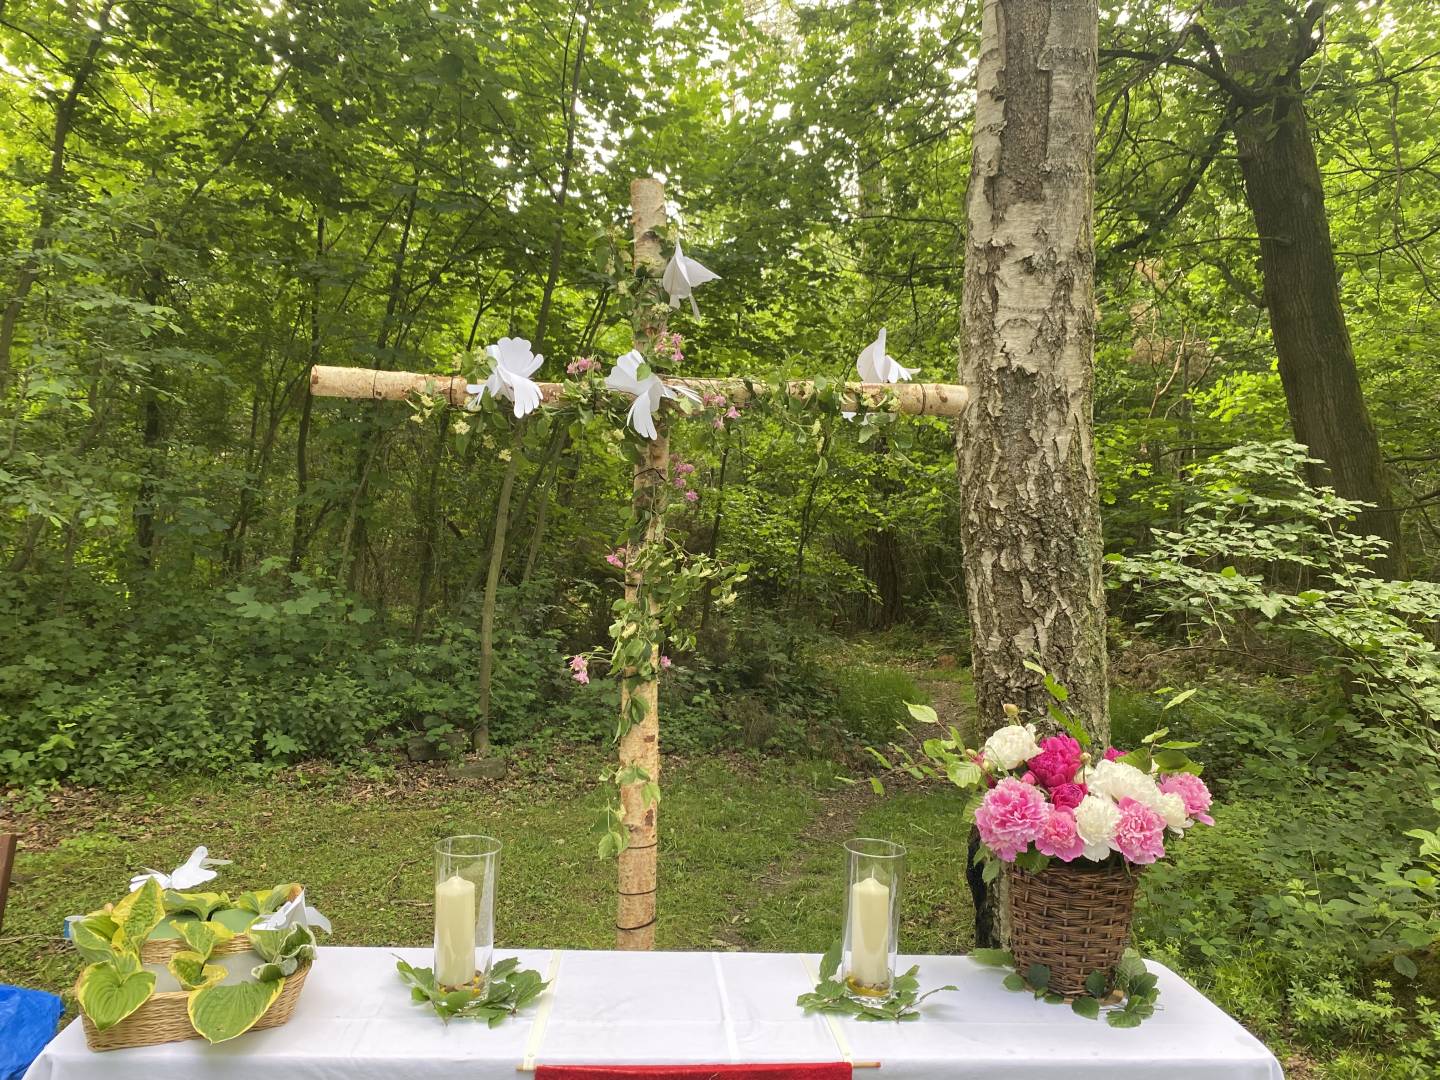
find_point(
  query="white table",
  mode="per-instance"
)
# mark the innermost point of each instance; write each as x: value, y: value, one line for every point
x: 355, y: 1021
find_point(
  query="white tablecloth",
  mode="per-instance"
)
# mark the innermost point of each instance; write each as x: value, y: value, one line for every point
x: 355, y: 1022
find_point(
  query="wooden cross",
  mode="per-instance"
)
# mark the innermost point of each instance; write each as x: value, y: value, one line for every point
x: 636, y: 908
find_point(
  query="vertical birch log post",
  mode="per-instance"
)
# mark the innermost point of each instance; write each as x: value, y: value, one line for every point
x: 640, y: 746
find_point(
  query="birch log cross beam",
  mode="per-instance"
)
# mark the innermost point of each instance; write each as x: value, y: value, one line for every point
x: 913, y: 399
x: 640, y: 745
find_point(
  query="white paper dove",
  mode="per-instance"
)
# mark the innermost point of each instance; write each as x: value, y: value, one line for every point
x: 876, y: 366
x: 649, y: 392
x: 511, y: 365
x: 293, y: 913
x: 192, y: 872
x: 681, y: 277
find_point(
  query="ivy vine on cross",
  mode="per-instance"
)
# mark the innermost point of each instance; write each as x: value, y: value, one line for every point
x: 657, y: 583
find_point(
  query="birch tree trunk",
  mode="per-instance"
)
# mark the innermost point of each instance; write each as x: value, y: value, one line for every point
x: 638, y: 864
x: 1030, y: 514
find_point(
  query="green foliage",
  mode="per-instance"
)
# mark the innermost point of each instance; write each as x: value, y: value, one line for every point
x: 220, y: 1012
x: 1130, y: 979
x: 508, y: 989
x: 869, y: 701
x: 829, y: 994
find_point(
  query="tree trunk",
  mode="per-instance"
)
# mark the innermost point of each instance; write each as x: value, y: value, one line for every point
x: 65, y: 114
x: 1284, y: 190
x: 1030, y: 520
x: 639, y: 863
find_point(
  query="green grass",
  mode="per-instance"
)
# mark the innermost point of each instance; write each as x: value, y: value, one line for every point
x: 750, y: 854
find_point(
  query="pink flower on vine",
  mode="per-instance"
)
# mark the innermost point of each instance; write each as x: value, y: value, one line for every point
x: 580, y: 669
x: 710, y: 400
x: 732, y: 413
x: 664, y: 662
x: 581, y: 364
x: 617, y: 557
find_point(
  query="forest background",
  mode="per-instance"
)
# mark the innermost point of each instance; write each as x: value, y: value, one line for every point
x: 206, y: 573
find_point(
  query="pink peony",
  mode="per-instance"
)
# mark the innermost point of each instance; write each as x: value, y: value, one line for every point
x: 1067, y: 796
x: 1111, y: 753
x: 1028, y: 778
x: 1010, y: 817
x: 1140, y: 835
x: 1058, y: 836
x: 1193, y: 793
x: 1057, y: 762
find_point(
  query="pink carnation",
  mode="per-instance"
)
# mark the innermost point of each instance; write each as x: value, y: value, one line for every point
x: 1192, y: 792
x: 1010, y: 817
x: 1140, y: 834
x: 1111, y: 753
x: 1067, y: 796
x: 1058, y: 836
x: 1057, y: 762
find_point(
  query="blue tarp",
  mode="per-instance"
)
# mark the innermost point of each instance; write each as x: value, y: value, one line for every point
x: 27, y: 1023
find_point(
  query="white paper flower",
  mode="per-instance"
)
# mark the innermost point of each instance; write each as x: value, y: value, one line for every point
x: 1010, y: 746
x: 192, y: 872
x: 649, y: 392
x: 680, y: 278
x: 1095, y: 820
x: 1119, y: 781
x: 878, y: 367
x: 293, y: 913
x: 1172, y: 808
x: 511, y: 365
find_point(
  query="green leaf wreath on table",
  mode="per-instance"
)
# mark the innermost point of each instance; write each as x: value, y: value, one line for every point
x: 829, y: 994
x: 502, y: 995
x: 116, y: 984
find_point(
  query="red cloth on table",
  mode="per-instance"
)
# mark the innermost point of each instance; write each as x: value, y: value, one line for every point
x: 830, y: 1070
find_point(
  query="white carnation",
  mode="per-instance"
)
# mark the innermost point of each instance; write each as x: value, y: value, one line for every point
x: 1121, y: 781
x: 1172, y: 808
x: 1010, y: 746
x: 1095, y: 820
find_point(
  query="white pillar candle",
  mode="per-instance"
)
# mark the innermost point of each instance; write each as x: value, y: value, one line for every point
x: 454, y: 931
x: 870, y: 933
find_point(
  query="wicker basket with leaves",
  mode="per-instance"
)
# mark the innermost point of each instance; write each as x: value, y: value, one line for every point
x: 1072, y: 918
x: 187, y: 933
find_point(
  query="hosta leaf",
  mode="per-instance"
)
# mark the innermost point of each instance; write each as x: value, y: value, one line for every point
x: 109, y: 996
x: 192, y: 972
x: 92, y: 937
x: 295, y: 941
x: 200, y: 904
x: 222, y: 1012
x: 202, y: 937
x: 138, y: 914
x: 275, y: 969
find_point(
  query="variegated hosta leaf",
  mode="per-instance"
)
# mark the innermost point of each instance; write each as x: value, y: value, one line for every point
x: 109, y: 994
x: 202, y: 937
x: 222, y: 1012
x: 93, y: 937
x: 191, y: 971
x: 264, y: 901
x: 138, y: 914
x: 275, y: 969
x: 235, y: 919
x: 200, y: 904
x: 272, y: 945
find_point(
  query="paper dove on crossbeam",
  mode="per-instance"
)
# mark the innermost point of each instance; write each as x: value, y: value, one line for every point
x: 511, y: 365
x: 192, y: 872
x: 876, y: 366
x: 649, y: 392
x: 293, y: 913
x: 681, y: 276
